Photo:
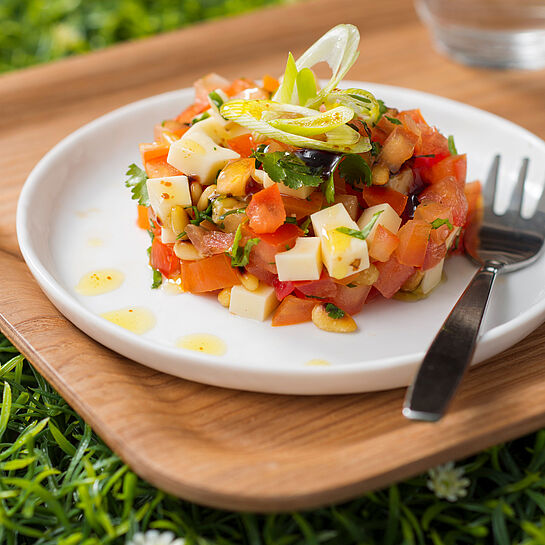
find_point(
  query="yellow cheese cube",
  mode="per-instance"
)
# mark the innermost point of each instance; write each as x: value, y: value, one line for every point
x: 432, y: 277
x: 331, y: 217
x: 164, y: 193
x: 343, y: 254
x: 257, y: 304
x: 302, y: 262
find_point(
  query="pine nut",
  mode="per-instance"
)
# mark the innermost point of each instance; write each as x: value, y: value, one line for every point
x: 380, y: 174
x: 196, y: 191
x: 186, y: 251
x: 324, y: 321
x: 202, y: 203
x: 224, y: 297
x: 249, y: 281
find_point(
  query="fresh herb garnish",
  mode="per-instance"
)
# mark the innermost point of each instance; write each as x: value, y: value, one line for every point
x: 216, y: 100
x: 364, y: 233
x: 421, y: 156
x: 157, y: 279
x: 452, y: 145
x: 375, y: 149
x: 382, y: 109
x: 334, y: 311
x: 291, y: 219
x: 137, y: 182
x: 351, y: 285
x: 440, y: 221
x: 240, y: 255
x: 355, y: 170
x: 393, y: 120
x: 200, y: 216
x: 289, y: 169
x: 304, y: 225
x: 201, y: 117
x: 181, y: 235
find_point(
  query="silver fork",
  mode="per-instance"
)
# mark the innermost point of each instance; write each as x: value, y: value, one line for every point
x: 498, y: 244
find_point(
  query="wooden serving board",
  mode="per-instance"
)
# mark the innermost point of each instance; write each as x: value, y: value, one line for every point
x: 225, y: 448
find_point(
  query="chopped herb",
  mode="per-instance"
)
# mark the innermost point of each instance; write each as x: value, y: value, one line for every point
x: 364, y: 233
x: 314, y: 297
x: 382, y: 109
x: 137, y: 182
x: 291, y: 219
x: 288, y: 247
x: 240, y: 256
x: 393, y: 120
x: 157, y: 279
x: 304, y: 225
x: 200, y: 216
x: 148, y: 251
x: 201, y: 117
x: 150, y: 230
x: 351, y: 285
x: 288, y: 168
x: 216, y: 100
x: 181, y: 235
x: 452, y: 145
x: 421, y: 156
x: 440, y: 221
x: 234, y: 211
x: 375, y: 149
x: 355, y: 170
x: 334, y: 311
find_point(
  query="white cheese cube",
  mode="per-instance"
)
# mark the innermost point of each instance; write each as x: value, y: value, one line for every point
x: 263, y: 178
x: 343, y: 254
x: 257, y: 304
x: 331, y: 217
x: 199, y: 151
x: 388, y: 219
x: 452, y: 236
x: 432, y: 277
x: 164, y: 193
x: 302, y: 262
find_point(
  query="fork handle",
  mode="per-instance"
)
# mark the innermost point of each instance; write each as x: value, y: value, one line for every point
x: 451, y: 351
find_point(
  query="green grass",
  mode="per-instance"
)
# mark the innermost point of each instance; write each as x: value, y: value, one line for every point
x: 59, y: 483
x: 34, y: 31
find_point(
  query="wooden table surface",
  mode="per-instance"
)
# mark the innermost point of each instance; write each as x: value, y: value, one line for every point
x: 226, y: 448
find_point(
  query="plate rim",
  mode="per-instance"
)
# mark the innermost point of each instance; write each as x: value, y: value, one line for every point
x: 96, y: 327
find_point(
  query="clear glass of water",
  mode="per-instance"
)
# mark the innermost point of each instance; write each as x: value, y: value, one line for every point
x: 491, y: 33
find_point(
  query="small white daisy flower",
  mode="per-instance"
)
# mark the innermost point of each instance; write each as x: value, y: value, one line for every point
x: 448, y: 482
x: 153, y: 537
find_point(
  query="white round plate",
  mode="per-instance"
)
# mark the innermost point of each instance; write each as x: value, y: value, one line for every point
x: 76, y: 194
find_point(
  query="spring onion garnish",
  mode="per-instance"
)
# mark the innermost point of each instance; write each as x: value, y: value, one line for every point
x: 315, y: 124
x: 363, y: 103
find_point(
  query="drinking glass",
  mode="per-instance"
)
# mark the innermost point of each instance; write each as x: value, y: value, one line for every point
x: 491, y: 33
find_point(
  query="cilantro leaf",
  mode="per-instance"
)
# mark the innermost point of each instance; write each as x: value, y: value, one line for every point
x: 240, y: 255
x: 137, y: 182
x: 393, y: 120
x: 334, y: 311
x: 288, y: 168
x: 157, y: 279
x: 364, y: 233
x: 452, y: 145
x: 355, y: 170
x: 441, y: 221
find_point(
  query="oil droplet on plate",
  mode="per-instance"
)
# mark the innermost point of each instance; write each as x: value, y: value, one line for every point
x: 318, y: 362
x: 86, y: 213
x: 135, y: 319
x: 99, y: 282
x: 203, y: 342
x: 95, y: 242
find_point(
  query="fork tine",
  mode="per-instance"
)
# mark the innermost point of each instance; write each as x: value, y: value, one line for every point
x: 516, y: 197
x: 541, y: 204
x: 489, y: 191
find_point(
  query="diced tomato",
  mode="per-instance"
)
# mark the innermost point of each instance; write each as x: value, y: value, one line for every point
x: 293, y: 310
x: 325, y: 287
x: 143, y: 219
x: 169, y: 131
x: 192, y: 111
x: 430, y: 211
x: 413, y: 242
x: 377, y: 195
x: 164, y: 259
x: 392, y: 275
x: 158, y: 168
x: 266, y: 210
x: 301, y: 208
x: 434, y: 253
x: 432, y: 142
x: 239, y: 85
x: 351, y: 300
x: 270, y: 84
x: 153, y: 151
x: 383, y: 244
x: 282, y: 289
x: 415, y: 116
x: 209, y: 242
x: 244, y: 144
x: 262, y: 269
x: 440, y: 234
x: 398, y: 147
x: 271, y: 243
x: 454, y: 166
x: 448, y: 193
x: 473, y: 195
x: 209, y: 274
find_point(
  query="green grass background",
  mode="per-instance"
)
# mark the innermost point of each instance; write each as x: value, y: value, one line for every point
x: 60, y: 484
